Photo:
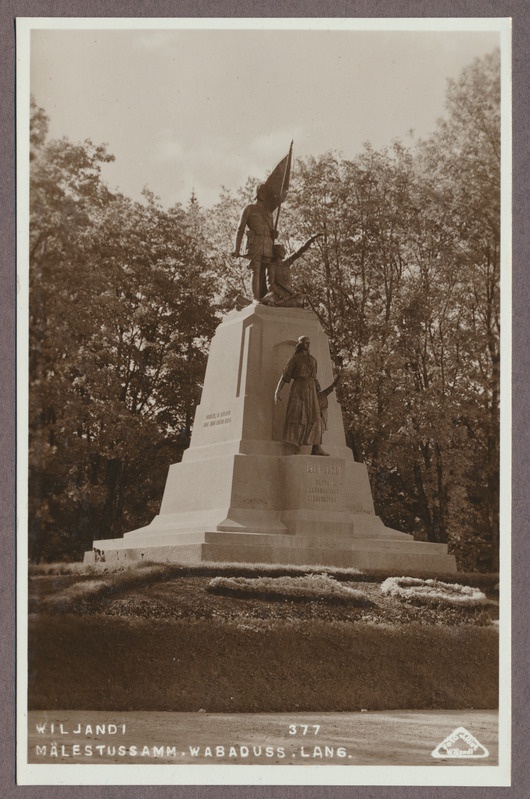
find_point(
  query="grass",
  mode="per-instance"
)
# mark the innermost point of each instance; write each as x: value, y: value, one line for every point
x: 487, y: 581
x: 154, y: 638
x: 206, y: 568
x: 160, y: 664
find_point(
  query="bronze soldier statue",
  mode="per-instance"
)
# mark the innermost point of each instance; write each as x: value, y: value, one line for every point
x: 257, y: 221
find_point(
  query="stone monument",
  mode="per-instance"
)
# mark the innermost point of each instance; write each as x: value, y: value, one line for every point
x: 249, y: 489
x: 242, y: 494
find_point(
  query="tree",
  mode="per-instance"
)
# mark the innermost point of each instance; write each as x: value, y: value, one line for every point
x: 121, y: 314
x: 461, y: 168
x: 65, y: 194
x: 406, y: 283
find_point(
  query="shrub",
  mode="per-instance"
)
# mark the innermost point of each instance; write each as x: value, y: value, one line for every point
x: 433, y: 592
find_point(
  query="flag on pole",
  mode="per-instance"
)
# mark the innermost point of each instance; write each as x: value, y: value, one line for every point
x: 276, y: 186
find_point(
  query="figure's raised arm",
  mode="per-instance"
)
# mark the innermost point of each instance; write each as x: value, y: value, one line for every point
x: 304, y: 247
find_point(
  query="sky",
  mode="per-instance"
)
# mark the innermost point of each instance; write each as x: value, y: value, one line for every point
x: 189, y: 111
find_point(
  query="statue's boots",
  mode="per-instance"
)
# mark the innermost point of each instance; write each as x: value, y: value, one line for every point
x: 317, y: 450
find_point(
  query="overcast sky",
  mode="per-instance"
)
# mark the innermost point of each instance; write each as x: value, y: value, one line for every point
x: 187, y: 110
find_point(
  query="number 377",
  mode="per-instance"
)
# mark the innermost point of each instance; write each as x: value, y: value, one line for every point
x: 304, y: 729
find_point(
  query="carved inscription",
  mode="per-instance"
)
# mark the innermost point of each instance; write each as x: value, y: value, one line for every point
x: 213, y: 419
x: 320, y: 494
x: 324, y: 489
x: 316, y: 468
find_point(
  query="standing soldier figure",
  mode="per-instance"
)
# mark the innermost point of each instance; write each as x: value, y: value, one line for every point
x: 256, y: 219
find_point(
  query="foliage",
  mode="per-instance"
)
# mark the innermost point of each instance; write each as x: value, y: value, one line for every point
x: 433, y: 592
x: 121, y: 314
x: 405, y: 282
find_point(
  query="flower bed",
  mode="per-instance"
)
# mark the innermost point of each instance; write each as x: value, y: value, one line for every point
x: 433, y: 592
x: 310, y: 586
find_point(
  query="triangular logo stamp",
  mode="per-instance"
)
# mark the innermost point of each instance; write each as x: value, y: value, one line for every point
x: 460, y: 744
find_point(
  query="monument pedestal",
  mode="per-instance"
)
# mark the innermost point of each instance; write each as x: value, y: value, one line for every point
x: 241, y: 494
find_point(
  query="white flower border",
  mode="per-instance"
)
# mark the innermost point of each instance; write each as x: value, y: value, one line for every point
x: 433, y: 592
x: 314, y: 586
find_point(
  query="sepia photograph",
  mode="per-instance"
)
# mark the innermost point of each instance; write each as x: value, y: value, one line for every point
x: 264, y: 514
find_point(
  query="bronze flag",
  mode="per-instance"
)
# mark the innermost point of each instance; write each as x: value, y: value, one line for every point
x: 277, y: 184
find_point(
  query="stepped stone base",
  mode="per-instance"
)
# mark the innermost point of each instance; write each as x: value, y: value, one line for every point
x: 385, y: 553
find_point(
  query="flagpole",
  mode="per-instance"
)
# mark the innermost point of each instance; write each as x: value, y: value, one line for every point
x: 287, y: 164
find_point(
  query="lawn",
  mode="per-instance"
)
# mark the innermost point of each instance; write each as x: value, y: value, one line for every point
x: 157, y: 638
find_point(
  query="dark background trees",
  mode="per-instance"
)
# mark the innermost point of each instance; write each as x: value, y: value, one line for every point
x: 405, y: 281
x: 121, y: 313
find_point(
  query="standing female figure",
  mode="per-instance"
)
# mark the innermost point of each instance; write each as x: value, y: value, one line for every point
x: 303, y: 421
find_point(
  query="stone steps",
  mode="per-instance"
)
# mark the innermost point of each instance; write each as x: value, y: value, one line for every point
x: 324, y: 542
x: 375, y: 553
x: 345, y: 553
